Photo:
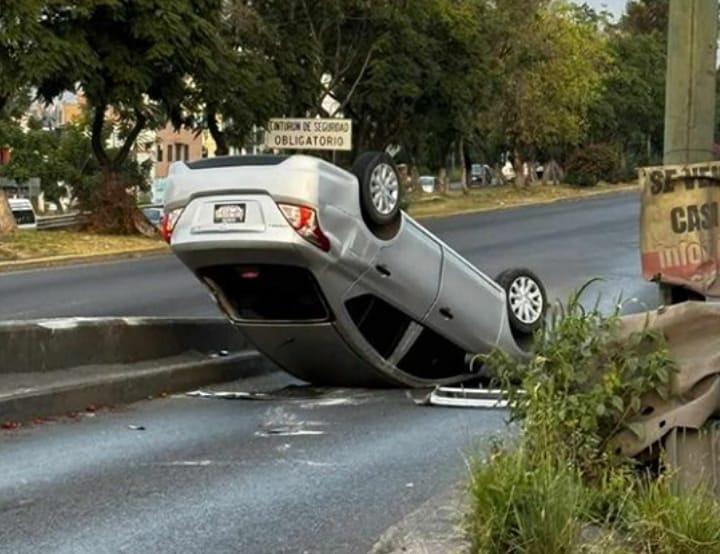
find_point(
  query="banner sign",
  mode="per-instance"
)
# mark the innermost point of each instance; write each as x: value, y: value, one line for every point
x: 680, y: 226
x: 309, y: 134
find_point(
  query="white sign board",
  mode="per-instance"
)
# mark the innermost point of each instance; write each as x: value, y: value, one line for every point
x: 309, y: 134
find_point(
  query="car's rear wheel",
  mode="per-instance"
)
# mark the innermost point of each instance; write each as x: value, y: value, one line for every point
x: 379, y: 189
x: 526, y: 299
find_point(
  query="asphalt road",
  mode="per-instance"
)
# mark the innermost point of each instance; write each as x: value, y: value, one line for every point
x: 566, y: 243
x: 306, y: 474
x: 296, y: 474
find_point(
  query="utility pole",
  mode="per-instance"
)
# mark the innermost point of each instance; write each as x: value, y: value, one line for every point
x: 690, y: 89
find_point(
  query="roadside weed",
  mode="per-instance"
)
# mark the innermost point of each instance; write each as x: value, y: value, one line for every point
x: 662, y: 521
x: 560, y: 490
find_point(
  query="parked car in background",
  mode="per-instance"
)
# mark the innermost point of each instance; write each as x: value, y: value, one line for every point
x: 153, y: 214
x: 323, y: 272
x: 482, y: 175
x: 24, y: 213
x: 427, y: 184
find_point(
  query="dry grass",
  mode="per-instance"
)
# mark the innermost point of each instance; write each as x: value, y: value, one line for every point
x: 490, y: 198
x: 37, y: 245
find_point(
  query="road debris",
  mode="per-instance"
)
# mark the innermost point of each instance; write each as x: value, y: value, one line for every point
x: 461, y: 397
x: 136, y: 427
x: 288, y: 431
x: 280, y: 423
x: 231, y: 395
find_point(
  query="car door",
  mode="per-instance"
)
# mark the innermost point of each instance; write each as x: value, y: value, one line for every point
x: 406, y: 271
x: 470, y: 306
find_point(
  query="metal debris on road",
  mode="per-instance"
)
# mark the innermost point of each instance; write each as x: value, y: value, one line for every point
x: 230, y: 395
x: 460, y: 397
x: 287, y: 432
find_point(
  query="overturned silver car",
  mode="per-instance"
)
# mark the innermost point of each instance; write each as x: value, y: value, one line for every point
x: 325, y: 274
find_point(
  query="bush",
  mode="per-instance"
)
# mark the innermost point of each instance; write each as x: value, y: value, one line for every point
x: 559, y: 490
x: 590, y: 164
x: 583, y: 384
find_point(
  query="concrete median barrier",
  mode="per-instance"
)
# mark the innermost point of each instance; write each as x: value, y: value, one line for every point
x: 51, y: 367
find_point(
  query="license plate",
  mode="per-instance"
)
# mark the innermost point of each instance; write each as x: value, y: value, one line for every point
x: 229, y: 213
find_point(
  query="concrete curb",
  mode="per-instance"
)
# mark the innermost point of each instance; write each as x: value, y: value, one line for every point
x: 129, y: 386
x: 622, y: 189
x: 52, y: 367
x: 434, y: 528
x: 61, y: 261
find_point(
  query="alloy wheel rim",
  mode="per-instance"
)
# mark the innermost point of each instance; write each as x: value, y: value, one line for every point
x: 526, y: 301
x: 384, y: 188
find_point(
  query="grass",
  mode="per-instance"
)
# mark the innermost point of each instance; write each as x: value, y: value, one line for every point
x: 526, y: 508
x: 522, y: 504
x: 664, y: 522
x: 24, y: 245
x: 560, y: 489
x: 455, y: 202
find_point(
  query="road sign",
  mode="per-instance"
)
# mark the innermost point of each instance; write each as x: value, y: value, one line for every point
x: 680, y: 225
x: 309, y: 134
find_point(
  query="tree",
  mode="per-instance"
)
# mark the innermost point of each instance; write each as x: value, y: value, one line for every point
x: 551, y: 66
x: 241, y: 90
x: 643, y: 17
x: 630, y: 110
x: 133, y: 62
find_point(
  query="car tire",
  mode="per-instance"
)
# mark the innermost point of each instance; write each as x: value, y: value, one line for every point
x: 380, y: 189
x: 526, y: 299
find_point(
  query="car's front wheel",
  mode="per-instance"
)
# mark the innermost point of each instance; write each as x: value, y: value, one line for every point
x: 526, y: 300
x: 379, y: 189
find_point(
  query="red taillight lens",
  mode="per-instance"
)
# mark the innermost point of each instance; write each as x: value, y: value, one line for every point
x: 304, y: 221
x: 168, y: 222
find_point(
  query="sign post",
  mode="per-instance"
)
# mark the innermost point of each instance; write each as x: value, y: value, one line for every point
x: 679, y: 222
x: 309, y: 134
x: 680, y: 226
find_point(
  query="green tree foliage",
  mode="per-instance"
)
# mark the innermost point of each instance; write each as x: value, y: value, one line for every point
x: 63, y: 160
x: 133, y: 61
x: 550, y: 70
x: 630, y: 112
x: 241, y: 88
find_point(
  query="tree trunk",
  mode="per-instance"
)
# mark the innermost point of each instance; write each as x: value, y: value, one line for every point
x: 112, y: 208
x: 520, y: 180
x: 221, y: 146
x: 466, y: 167
x: 443, y: 180
x: 7, y: 219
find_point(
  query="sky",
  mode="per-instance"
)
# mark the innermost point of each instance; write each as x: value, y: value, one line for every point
x: 615, y: 6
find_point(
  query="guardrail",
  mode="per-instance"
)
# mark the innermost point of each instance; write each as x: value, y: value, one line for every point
x: 59, y: 221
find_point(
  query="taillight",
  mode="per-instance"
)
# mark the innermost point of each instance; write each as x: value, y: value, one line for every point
x: 304, y: 221
x: 168, y: 222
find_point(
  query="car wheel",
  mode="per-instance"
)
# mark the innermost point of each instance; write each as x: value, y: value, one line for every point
x: 526, y: 299
x: 379, y: 188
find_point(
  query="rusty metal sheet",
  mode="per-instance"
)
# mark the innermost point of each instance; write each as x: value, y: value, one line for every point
x: 689, y: 412
x: 692, y: 330
x: 680, y: 225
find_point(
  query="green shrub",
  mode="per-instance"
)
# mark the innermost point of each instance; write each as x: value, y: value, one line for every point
x: 590, y: 164
x: 560, y: 490
x: 583, y: 383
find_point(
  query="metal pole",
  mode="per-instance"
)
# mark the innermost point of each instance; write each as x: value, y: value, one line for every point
x: 690, y: 89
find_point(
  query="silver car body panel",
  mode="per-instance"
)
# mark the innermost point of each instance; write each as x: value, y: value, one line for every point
x: 414, y: 272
